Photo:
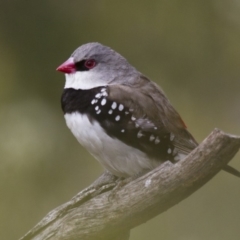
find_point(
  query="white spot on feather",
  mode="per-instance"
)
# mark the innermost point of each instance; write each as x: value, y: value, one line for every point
x: 139, y: 134
x: 110, y: 111
x: 133, y: 118
x: 114, y: 105
x: 103, y: 102
x: 157, y: 140
x: 105, y: 94
x: 98, y: 95
x: 117, y: 118
x: 121, y: 107
x: 151, y: 138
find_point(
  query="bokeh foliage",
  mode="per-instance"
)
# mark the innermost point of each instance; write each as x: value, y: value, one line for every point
x: 191, y: 48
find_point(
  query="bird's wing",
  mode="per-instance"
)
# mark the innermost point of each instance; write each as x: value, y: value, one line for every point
x: 142, y: 117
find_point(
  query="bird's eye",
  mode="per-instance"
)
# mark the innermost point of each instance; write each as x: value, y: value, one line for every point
x: 90, y: 63
x: 85, y: 65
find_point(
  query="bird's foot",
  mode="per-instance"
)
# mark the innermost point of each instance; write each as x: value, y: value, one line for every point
x: 104, y: 183
x: 121, y: 182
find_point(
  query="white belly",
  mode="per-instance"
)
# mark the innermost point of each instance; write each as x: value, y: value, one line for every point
x: 117, y: 157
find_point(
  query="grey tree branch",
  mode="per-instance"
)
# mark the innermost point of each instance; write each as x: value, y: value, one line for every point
x: 99, y: 212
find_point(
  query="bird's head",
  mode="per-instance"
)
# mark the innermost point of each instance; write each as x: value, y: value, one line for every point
x: 93, y: 65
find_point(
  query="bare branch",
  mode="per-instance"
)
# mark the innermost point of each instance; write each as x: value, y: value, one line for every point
x: 97, y: 213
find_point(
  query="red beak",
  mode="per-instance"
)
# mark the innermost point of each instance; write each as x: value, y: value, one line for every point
x: 67, y: 67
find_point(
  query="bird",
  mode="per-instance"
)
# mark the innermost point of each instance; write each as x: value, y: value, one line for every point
x: 120, y: 116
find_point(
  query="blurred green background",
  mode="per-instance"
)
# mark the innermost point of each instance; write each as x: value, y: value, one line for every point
x: 191, y: 48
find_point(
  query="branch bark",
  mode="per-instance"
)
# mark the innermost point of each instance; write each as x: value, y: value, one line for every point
x: 101, y: 212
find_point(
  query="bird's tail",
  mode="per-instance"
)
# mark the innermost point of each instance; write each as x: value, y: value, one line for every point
x: 231, y: 170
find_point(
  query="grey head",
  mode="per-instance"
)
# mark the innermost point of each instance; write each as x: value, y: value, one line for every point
x: 94, y: 64
x: 97, y: 51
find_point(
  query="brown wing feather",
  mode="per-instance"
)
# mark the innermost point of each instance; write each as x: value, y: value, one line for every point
x: 149, y: 101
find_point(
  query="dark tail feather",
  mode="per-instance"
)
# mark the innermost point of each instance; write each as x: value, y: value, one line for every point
x: 231, y: 170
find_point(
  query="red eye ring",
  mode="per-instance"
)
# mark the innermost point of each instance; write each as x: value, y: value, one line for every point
x: 90, y: 63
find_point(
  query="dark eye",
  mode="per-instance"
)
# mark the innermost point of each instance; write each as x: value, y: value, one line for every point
x: 90, y: 63
x: 85, y: 65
